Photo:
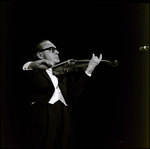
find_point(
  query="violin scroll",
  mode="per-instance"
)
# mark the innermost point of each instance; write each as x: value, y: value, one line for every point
x: 112, y: 63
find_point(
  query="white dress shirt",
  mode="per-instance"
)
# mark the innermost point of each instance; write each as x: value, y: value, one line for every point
x: 57, y: 93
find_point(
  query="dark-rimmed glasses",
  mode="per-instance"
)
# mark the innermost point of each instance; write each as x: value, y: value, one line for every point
x: 51, y: 49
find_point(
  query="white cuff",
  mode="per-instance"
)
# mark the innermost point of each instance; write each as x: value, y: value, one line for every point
x: 88, y: 74
x: 26, y: 65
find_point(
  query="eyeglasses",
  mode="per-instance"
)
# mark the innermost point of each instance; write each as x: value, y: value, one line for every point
x: 51, y: 49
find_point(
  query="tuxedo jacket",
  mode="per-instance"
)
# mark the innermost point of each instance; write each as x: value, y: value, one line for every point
x: 40, y: 87
x: 50, y: 125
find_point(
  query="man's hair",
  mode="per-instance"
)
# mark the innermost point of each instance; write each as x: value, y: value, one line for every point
x: 37, y: 49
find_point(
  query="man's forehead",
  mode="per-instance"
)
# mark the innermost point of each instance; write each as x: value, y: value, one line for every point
x: 46, y: 44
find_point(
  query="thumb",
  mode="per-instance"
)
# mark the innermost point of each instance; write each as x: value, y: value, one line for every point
x: 93, y: 55
x: 100, y: 57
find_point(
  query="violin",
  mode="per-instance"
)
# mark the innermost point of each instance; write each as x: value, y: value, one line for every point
x: 76, y: 65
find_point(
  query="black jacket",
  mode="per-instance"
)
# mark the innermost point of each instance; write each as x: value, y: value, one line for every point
x: 50, y: 125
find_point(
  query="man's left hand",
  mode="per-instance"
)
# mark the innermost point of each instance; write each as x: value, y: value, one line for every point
x: 93, y: 63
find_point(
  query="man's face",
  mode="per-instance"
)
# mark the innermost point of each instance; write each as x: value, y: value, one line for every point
x: 50, y: 52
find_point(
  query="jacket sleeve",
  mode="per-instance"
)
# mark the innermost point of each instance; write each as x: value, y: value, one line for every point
x: 33, y: 85
x: 77, y: 85
x: 22, y: 77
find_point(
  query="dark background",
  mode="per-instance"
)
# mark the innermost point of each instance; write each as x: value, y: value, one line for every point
x: 114, y: 111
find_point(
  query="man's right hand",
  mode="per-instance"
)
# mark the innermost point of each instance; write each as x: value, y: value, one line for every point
x: 40, y: 64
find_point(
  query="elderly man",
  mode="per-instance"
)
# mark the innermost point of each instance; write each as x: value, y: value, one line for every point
x: 50, y: 96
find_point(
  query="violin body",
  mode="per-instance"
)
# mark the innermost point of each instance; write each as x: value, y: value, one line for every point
x: 69, y: 66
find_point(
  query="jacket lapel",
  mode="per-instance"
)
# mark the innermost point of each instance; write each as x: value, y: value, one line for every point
x: 44, y: 73
x: 63, y: 86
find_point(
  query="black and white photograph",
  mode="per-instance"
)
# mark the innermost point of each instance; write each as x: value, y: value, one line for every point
x: 74, y: 74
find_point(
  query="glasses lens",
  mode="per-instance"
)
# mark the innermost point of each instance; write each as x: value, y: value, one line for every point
x: 51, y: 49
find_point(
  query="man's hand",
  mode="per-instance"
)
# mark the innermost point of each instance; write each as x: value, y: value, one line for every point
x: 93, y: 63
x: 41, y: 64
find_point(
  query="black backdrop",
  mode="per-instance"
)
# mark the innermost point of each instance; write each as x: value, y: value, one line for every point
x: 114, y: 111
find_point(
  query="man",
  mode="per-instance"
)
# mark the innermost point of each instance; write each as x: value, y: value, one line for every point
x: 50, y: 96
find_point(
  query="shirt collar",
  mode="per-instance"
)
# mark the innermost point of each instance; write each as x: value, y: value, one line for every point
x: 49, y: 70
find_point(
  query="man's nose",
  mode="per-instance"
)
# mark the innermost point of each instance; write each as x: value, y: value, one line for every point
x: 56, y: 52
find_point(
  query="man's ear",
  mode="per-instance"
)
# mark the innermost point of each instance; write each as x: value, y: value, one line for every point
x: 39, y: 55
